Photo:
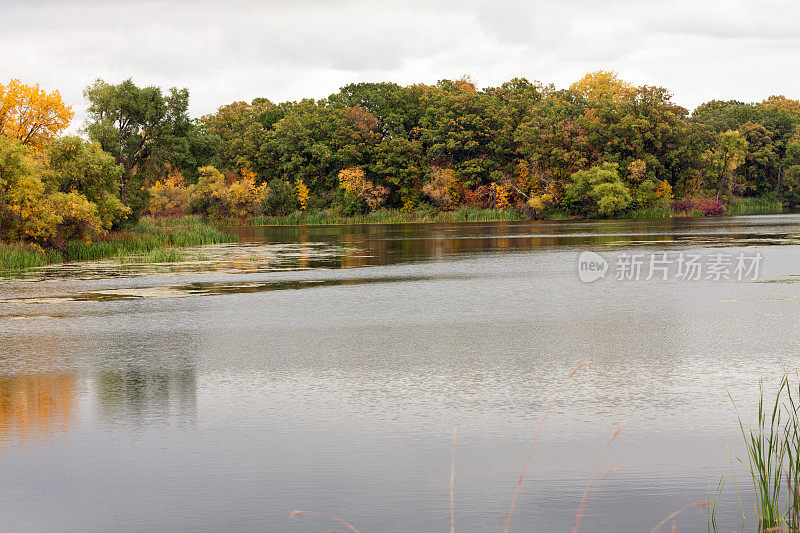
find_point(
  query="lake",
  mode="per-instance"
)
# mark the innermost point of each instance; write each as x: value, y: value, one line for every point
x: 324, y: 369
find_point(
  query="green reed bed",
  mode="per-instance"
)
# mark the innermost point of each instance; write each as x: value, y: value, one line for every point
x: 754, y: 206
x: 383, y: 216
x: 17, y: 257
x: 159, y: 255
x: 149, y: 241
x: 149, y: 235
x: 773, y: 450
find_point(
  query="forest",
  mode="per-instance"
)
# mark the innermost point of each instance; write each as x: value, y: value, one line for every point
x: 600, y: 148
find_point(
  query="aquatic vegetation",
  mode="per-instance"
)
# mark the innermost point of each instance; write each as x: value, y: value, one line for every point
x: 382, y: 216
x: 754, y: 206
x: 17, y: 257
x: 773, y: 447
x: 149, y: 241
x: 650, y: 212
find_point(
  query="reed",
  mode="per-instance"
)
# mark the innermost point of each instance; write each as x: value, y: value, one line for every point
x: 382, y: 216
x: 535, y: 439
x: 711, y: 505
x: 144, y: 239
x: 19, y: 257
x: 159, y: 255
x: 335, y: 518
x: 773, y: 447
x: 661, y: 525
x: 754, y: 206
x: 774, y: 464
x: 591, y: 486
x: 650, y: 212
x: 149, y: 241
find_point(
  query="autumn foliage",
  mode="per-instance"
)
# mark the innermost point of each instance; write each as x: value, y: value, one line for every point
x: 354, y: 181
x: 31, y: 115
x: 444, y: 188
x: 68, y: 191
x: 603, y: 147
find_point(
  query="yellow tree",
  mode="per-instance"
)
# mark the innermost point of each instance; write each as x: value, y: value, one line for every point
x: 31, y: 115
x: 603, y: 85
x: 354, y: 181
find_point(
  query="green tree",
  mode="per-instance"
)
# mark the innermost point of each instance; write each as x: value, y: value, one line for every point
x: 144, y: 130
x: 726, y: 157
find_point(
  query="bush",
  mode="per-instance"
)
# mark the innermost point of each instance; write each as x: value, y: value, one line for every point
x: 75, y: 166
x: 348, y: 204
x: 213, y: 198
x: 169, y: 198
x: 699, y: 206
x: 597, y: 191
x: 444, y: 188
x: 709, y: 206
x: 684, y: 205
x: 651, y: 193
x: 611, y: 198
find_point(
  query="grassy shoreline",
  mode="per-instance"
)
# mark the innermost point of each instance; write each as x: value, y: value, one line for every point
x: 739, y: 206
x: 154, y: 240
x: 150, y: 240
x: 382, y: 216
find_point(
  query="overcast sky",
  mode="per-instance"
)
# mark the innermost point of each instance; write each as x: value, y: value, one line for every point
x: 287, y: 50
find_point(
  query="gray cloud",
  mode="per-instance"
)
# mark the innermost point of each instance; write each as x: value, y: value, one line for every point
x: 240, y: 49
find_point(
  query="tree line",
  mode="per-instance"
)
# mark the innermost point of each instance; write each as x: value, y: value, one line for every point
x: 598, y: 148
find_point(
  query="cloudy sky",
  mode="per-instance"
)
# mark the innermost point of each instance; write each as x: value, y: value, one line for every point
x: 285, y: 50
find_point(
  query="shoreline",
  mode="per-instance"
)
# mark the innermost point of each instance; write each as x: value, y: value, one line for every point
x: 160, y: 239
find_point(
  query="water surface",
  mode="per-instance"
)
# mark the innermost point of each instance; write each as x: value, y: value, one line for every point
x: 324, y: 368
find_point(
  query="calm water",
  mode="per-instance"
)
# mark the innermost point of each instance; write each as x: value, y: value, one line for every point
x: 324, y: 369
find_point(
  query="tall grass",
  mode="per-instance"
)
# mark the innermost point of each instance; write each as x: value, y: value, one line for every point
x: 382, y: 216
x: 772, y: 448
x: 147, y: 236
x: 754, y: 206
x: 159, y: 255
x: 535, y: 439
x: 17, y: 257
x: 739, y: 206
x: 150, y: 241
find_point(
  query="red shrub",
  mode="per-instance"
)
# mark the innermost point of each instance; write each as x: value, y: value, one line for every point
x: 684, y: 205
x: 709, y: 206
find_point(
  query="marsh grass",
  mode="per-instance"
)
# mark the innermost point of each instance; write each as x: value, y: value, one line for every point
x: 591, y: 485
x: 773, y: 449
x: 754, y: 206
x: 382, y: 216
x: 149, y: 241
x: 711, y: 506
x: 18, y: 257
x: 159, y: 255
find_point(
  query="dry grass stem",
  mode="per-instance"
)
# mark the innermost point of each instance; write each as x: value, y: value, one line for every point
x: 661, y: 524
x: 587, y: 490
x: 349, y: 526
x: 535, y: 438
